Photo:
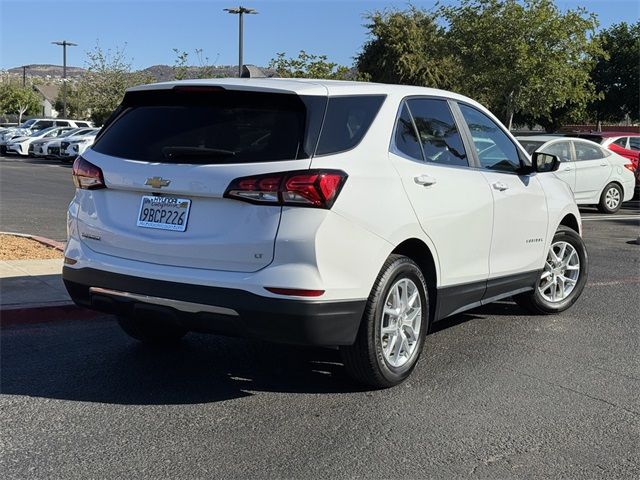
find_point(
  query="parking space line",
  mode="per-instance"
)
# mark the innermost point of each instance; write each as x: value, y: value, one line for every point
x: 611, y: 217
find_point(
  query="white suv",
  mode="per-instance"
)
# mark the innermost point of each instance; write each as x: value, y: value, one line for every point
x: 315, y: 212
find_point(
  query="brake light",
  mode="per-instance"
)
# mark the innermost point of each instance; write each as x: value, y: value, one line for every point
x: 86, y: 175
x: 306, y: 188
x: 630, y: 166
x: 298, y: 292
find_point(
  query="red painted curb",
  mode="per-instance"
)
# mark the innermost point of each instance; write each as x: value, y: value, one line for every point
x: 27, y: 316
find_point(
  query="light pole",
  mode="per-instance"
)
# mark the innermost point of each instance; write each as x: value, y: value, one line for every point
x: 240, y: 11
x: 24, y: 75
x: 64, y: 44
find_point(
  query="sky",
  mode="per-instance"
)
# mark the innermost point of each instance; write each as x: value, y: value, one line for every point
x: 151, y: 29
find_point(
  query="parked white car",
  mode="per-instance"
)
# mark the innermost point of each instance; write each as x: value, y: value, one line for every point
x: 40, y: 148
x: 596, y: 175
x: 20, y: 145
x: 76, y: 145
x: 315, y: 212
x: 35, y: 124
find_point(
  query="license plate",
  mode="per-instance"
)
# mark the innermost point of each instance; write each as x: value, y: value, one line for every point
x: 165, y: 213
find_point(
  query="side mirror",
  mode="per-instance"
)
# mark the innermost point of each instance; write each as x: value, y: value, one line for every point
x: 545, y: 162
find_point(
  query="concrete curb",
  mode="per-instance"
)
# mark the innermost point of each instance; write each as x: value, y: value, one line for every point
x: 34, y: 314
x: 44, y: 240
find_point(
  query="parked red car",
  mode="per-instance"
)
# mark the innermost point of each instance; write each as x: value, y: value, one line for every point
x: 626, y: 144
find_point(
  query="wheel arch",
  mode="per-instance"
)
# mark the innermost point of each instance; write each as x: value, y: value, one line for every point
x: 570, y: 220
x: 419, y: 252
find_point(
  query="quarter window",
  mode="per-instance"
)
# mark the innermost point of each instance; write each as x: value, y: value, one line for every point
x: 495, y: 150
x: 584, y: 151
x: 406, y: 138
x: 438, y: 133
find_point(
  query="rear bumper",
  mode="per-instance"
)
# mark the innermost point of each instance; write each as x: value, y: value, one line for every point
x: 223, y: 311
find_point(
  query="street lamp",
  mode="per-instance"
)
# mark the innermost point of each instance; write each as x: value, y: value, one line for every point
x: 240, y: 11
x: 24, y: 75
x: 64, y: 44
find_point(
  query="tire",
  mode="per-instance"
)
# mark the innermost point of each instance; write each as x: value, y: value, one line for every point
x: 151, y: 331
x: 370, y: 360
x: 611, y: 198
x: 538, y: 302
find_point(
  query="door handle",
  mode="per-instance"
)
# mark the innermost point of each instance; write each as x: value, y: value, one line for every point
x: 567, y: 169
x: 424, y: 180
x: 603, y: 164
x: 500, y: 186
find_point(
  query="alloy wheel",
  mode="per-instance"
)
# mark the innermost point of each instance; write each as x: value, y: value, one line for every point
x: 561, y: 272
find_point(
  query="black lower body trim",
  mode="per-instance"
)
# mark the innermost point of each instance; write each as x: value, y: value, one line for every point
x: 301, y: 322
x: 458, y: 298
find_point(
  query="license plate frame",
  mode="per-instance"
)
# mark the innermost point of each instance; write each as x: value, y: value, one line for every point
x: 177, y: 210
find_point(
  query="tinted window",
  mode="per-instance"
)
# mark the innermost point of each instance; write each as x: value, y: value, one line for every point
x: 560, y: 149
x: 62, y: 123
x: 213, y: 125
x: 530, y: 146
x: 82, y: 124
x: 346, y: 122
x: 495, y: 149
x: 621, y: 142
x: 42, y: 124
x: 406, y: 137
x: 439, y: 136
x: 584, y: 151
x: 634, y: 143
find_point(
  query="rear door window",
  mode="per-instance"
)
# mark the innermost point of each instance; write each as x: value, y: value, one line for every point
x: 213, y: 125
x: 346, y: 122
x: 439, y: 135
x: 584, y: 151
x: 621, y: 142
x: 634, y: 143
x: 406, y: 136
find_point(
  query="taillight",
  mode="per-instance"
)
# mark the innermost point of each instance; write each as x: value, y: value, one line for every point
x: 86, y: 175
x: 305, y: 188
x: 630, y: 166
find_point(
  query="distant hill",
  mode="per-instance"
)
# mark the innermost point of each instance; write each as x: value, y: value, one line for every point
x: 161, y: 73
x: 53, y: 71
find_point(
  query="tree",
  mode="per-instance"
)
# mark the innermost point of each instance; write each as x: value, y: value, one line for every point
x: 523, y: 57
x: 307, y: 65
x: 408, y: 47
x: 76, y: 103
x: 107, y: 78
x: 182, y: 70
x: 617, y: 74
x: 18, y: 100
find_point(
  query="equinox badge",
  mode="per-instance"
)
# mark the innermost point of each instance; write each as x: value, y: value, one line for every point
x: 157, y: 182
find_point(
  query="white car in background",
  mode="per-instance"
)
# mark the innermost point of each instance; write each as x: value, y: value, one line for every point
x: 315, y: 212
x: 40, y: 148
x: 20, y: 145
x: 596, y: 175
x: 73, y: 146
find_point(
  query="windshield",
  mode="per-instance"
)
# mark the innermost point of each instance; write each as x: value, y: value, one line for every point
x: 27, y: 124
x: 530, y: 146
x: 43, y: 132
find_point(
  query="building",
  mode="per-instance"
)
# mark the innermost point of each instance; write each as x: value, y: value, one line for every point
x: 48, y: 95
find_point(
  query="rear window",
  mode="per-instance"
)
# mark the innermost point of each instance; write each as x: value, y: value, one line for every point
x: 213, y: 125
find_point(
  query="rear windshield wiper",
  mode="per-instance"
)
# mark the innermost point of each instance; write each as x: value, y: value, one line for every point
x: 185, y: 153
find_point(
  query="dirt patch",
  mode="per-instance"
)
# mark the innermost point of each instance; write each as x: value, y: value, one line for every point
x: 22, y: 248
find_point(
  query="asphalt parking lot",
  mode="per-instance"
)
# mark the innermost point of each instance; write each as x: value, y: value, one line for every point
x: 497, y: 394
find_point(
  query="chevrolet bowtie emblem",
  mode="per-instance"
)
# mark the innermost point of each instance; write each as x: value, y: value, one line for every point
x: 157, y: 182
